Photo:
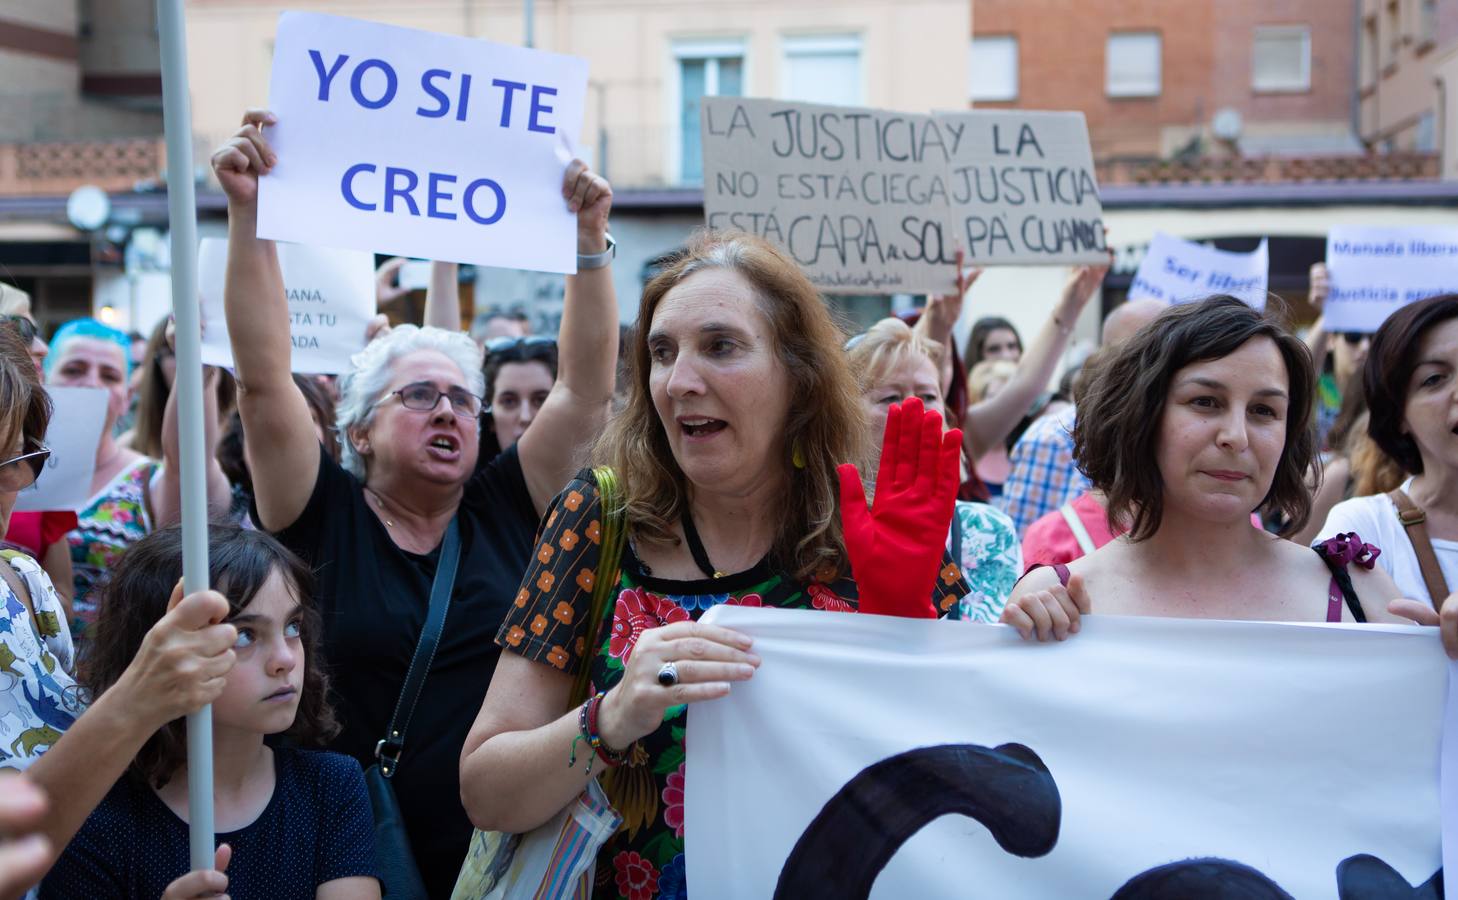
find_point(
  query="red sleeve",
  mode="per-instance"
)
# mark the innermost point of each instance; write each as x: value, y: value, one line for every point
x: 55, y: 526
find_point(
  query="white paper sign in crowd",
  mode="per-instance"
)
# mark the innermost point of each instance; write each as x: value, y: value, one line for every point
x: 412, y: 143
x: 906, y: 758
x: 1373, y: 272
x: 1176, y: 271
x: 1023, y: 190
x: 77, y: 417
x: 331, y: 295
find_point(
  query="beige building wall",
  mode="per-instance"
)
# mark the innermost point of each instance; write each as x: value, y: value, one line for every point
x: 1400, y: 46
x: 1445, y: 71
x: 913, y: 56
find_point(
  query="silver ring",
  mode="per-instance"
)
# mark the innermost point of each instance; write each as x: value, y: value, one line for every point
x: 668, y: 674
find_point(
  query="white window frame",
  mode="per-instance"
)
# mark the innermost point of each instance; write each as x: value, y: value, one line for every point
x: 972, y: 86
x: 823, y: 45
x: 1158, y: 88
x: 696, y: 48
x: 1277, y: 86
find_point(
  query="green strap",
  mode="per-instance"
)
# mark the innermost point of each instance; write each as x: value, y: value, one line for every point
x: 605, y: 580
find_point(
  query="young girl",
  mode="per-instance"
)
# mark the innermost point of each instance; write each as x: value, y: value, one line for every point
x: 296, y: 823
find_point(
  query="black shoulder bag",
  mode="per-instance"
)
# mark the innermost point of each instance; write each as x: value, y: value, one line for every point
x: 399, y: 875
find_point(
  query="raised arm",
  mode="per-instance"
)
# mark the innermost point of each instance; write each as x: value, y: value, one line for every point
x: 443, y: 297
x: 991, y: 421
x: 167, y: 501
x: 941, y: 315
x: 555, y: 445
x: 282, y: 447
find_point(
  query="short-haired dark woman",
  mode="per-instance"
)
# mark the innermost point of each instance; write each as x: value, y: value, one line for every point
x: 1411, y: 380
x: 1201, y: 418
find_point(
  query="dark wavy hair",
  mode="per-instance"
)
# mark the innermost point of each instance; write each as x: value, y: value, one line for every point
x: 240, y: 561
x: 1391, y: 360
x: 528, y: 349
x: 1116, y: 434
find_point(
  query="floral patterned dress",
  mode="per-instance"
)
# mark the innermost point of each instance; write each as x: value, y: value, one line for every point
x: 38, y: 698
x: 984, y: 542
x: 112, y: 521
x: 644, y: 860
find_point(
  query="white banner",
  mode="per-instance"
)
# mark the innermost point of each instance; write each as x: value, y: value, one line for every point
x: 331, y: 295
x: 1143, y: 758
x: 1373, y: 272
x: 1177, y: 271
x: 77, y: 417
x: 1023, y: 190
x: 411, y: 143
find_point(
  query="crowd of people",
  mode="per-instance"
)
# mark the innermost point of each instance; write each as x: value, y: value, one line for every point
x: 462, y: 581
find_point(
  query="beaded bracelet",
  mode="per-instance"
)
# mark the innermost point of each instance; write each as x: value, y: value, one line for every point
x: 587, y: 731
x: 611, y: 757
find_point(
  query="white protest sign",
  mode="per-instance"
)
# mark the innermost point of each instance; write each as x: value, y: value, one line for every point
x: 1373, y: 272
x: 1023, y: 190
x: 410, y: 143
x: 331, y: 295
x: 911, y: 758
x: 857, y: 196
x: 77, y: 417
x: 1177, y: 271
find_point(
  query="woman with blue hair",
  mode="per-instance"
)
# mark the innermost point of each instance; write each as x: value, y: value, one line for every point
x: 131, y: 494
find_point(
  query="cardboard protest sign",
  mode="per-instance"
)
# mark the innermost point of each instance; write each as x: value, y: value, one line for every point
x: 1022, y: 188
x: 857, y: 196
x: 77, y: 418
x: 410, y: 143
x: 1142, y: 758
x: 1177, y: 271
x: 331, y: 296
x: 1373, y: 272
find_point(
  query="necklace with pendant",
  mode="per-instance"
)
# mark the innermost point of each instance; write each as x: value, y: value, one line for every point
x: 380, y: 505
x: 696, y: 546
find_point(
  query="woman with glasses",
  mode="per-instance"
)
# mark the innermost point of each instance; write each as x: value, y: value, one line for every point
x: 373, y: 524
x: 15, y: 309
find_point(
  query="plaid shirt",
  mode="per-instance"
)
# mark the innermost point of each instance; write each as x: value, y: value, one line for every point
x: 1043, y: 475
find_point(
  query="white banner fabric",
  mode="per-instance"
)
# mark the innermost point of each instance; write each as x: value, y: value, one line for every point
x: 1142, y: 758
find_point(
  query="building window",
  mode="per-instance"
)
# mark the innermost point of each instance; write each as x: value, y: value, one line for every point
x: 994, y: 68
x: 1394, y: 35
x: 822, y: 69
x: 1281, y: 58
x: 705, y: 69
x: 1132, y: 64
x: 1425, y: 137
x: 1428, y: 21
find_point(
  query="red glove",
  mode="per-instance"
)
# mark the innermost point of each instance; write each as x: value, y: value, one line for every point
x: 896, y: 547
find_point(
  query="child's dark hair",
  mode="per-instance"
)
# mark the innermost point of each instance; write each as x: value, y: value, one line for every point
x: 135, y: 597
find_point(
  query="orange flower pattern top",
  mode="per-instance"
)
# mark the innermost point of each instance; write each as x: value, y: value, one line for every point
x: 644, y: 860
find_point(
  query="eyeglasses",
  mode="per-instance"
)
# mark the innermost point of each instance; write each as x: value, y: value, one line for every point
x: 502, y: 344
x: 23, y: 326
x: 425, y: 396
x: 1354, y: 338
x: 20, y: 472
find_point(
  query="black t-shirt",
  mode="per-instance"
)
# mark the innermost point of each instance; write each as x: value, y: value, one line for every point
x: 373, y: 597
x: 316, y: 828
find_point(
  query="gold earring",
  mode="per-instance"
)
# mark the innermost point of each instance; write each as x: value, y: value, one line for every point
x: 797, y: 454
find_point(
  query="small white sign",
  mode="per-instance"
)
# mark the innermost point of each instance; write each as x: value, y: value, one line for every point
x: 77, y: 418
x: 1373, y: 272
x: 331, y: 299
x: 1178, y: 271
x: 411, y: 143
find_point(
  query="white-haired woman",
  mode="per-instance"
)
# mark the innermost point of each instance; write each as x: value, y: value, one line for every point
x: 408, y: 421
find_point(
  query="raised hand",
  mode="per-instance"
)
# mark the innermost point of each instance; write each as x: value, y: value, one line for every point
x: 591, y: 197
x: 245, y: 156
x: 896, y: 546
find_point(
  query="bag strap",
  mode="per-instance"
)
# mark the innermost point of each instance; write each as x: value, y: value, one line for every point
x: 1075, y: 525
x: 1413, y: 518
x: 605, y: 579
x: 387, y: 750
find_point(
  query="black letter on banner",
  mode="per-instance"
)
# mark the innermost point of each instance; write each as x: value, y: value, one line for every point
x: 1208, y: 879
x: 1007, y: 789
x: 1365, y: 877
